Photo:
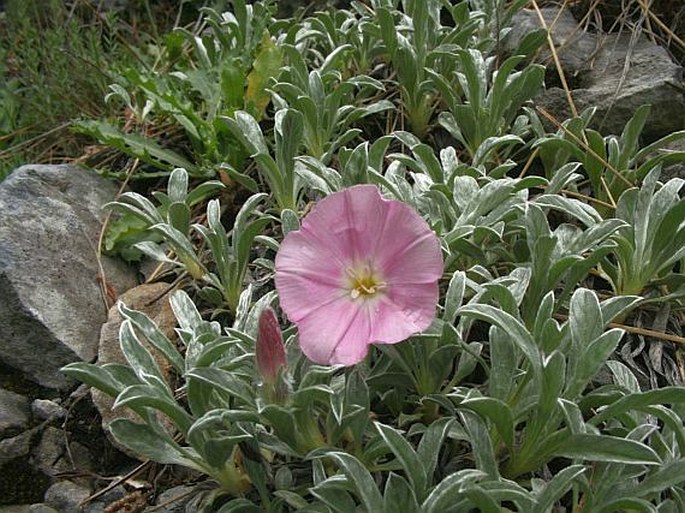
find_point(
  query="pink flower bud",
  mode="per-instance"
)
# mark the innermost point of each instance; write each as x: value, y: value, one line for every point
x: 270, y: 349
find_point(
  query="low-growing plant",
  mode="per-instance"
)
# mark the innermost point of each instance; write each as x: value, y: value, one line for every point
x: 612, y: 164
x: 329, y: 104
x: 41, y: 45
x: 225, y: 65
x: 489, y: 115
x: 168, y: 228
x: 416, y: 44
x: 450, y: 332
x: 651, y: 242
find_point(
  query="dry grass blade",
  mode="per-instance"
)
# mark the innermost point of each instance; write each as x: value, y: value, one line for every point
x: 585, y: 146
x: 637, y: 331
x: 555, y: 57
x: 671, y: 35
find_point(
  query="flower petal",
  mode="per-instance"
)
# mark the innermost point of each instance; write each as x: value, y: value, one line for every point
x: 306, y: 276
x: 403, y: 312
x: 410, y: 252
x: 336, y: 334
x: 348, y: 223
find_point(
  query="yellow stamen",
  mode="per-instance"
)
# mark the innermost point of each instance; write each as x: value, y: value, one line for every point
x: 364, y: 282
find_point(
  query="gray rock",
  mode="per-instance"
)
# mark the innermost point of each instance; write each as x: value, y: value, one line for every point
x: 14, y: 413
x: 51, y: 307
x: 52, y: 457
x: 66, y: 496
x: 627, y: 75
x: 617, y: 73
x: 574, y: 46
x: 45, y: 409
x: 16, y: 447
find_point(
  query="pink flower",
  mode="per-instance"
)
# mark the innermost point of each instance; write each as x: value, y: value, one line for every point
x: 361, y: 270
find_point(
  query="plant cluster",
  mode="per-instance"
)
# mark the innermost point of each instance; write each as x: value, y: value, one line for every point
x: 514, y: 398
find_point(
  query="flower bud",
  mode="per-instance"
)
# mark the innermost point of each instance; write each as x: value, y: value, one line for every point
x: 270, y: 349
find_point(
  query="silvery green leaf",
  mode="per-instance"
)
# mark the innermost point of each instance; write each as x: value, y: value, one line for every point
x: 186, y: 313
x: 449, y: 490
x: 618, y: 306
x: 399, y: 496
x: 246, y: 129
x: 225, y: 381
x: 138, y: 357
x: 610, y: 449
x: 145, y: 396
x: 330, y: 493
x: 148, y: 443
x: 154, y: 336
x: 289, y: 221
x: 491, y: 144
x: 178, y: 216
x: 137, y: 205
x: 359, y: 477
x: 511, y: 326
x: 454, y: 296
x: 497, y: 412
x: 638, y: 401
x: 411, y: 464
x: 183, y: 248
x: 628, y: 504
x: 585, y: 318
x: 570, y: 206
x: 94, y: 376
x: 481, y: 443
x: 557, y: 487
x: 243, y: 308
x: 574, y: 417
x: 593, y: 355
x: 248, y: 210
x: 177, y: 188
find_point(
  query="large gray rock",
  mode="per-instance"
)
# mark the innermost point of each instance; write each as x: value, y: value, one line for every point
x: 51, y: 307
x: 617, y: 73
x: 575, y: 47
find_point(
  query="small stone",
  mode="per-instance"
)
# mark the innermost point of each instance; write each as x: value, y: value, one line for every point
x: 66, y: 496
x: 16, y: 447
x: 174, y: 499
x: 14, y: 413
x: 102, y: 502
x: 41, y: 508
x: 16, y: 509
x: 45, y: 409
x: 51, y: 455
